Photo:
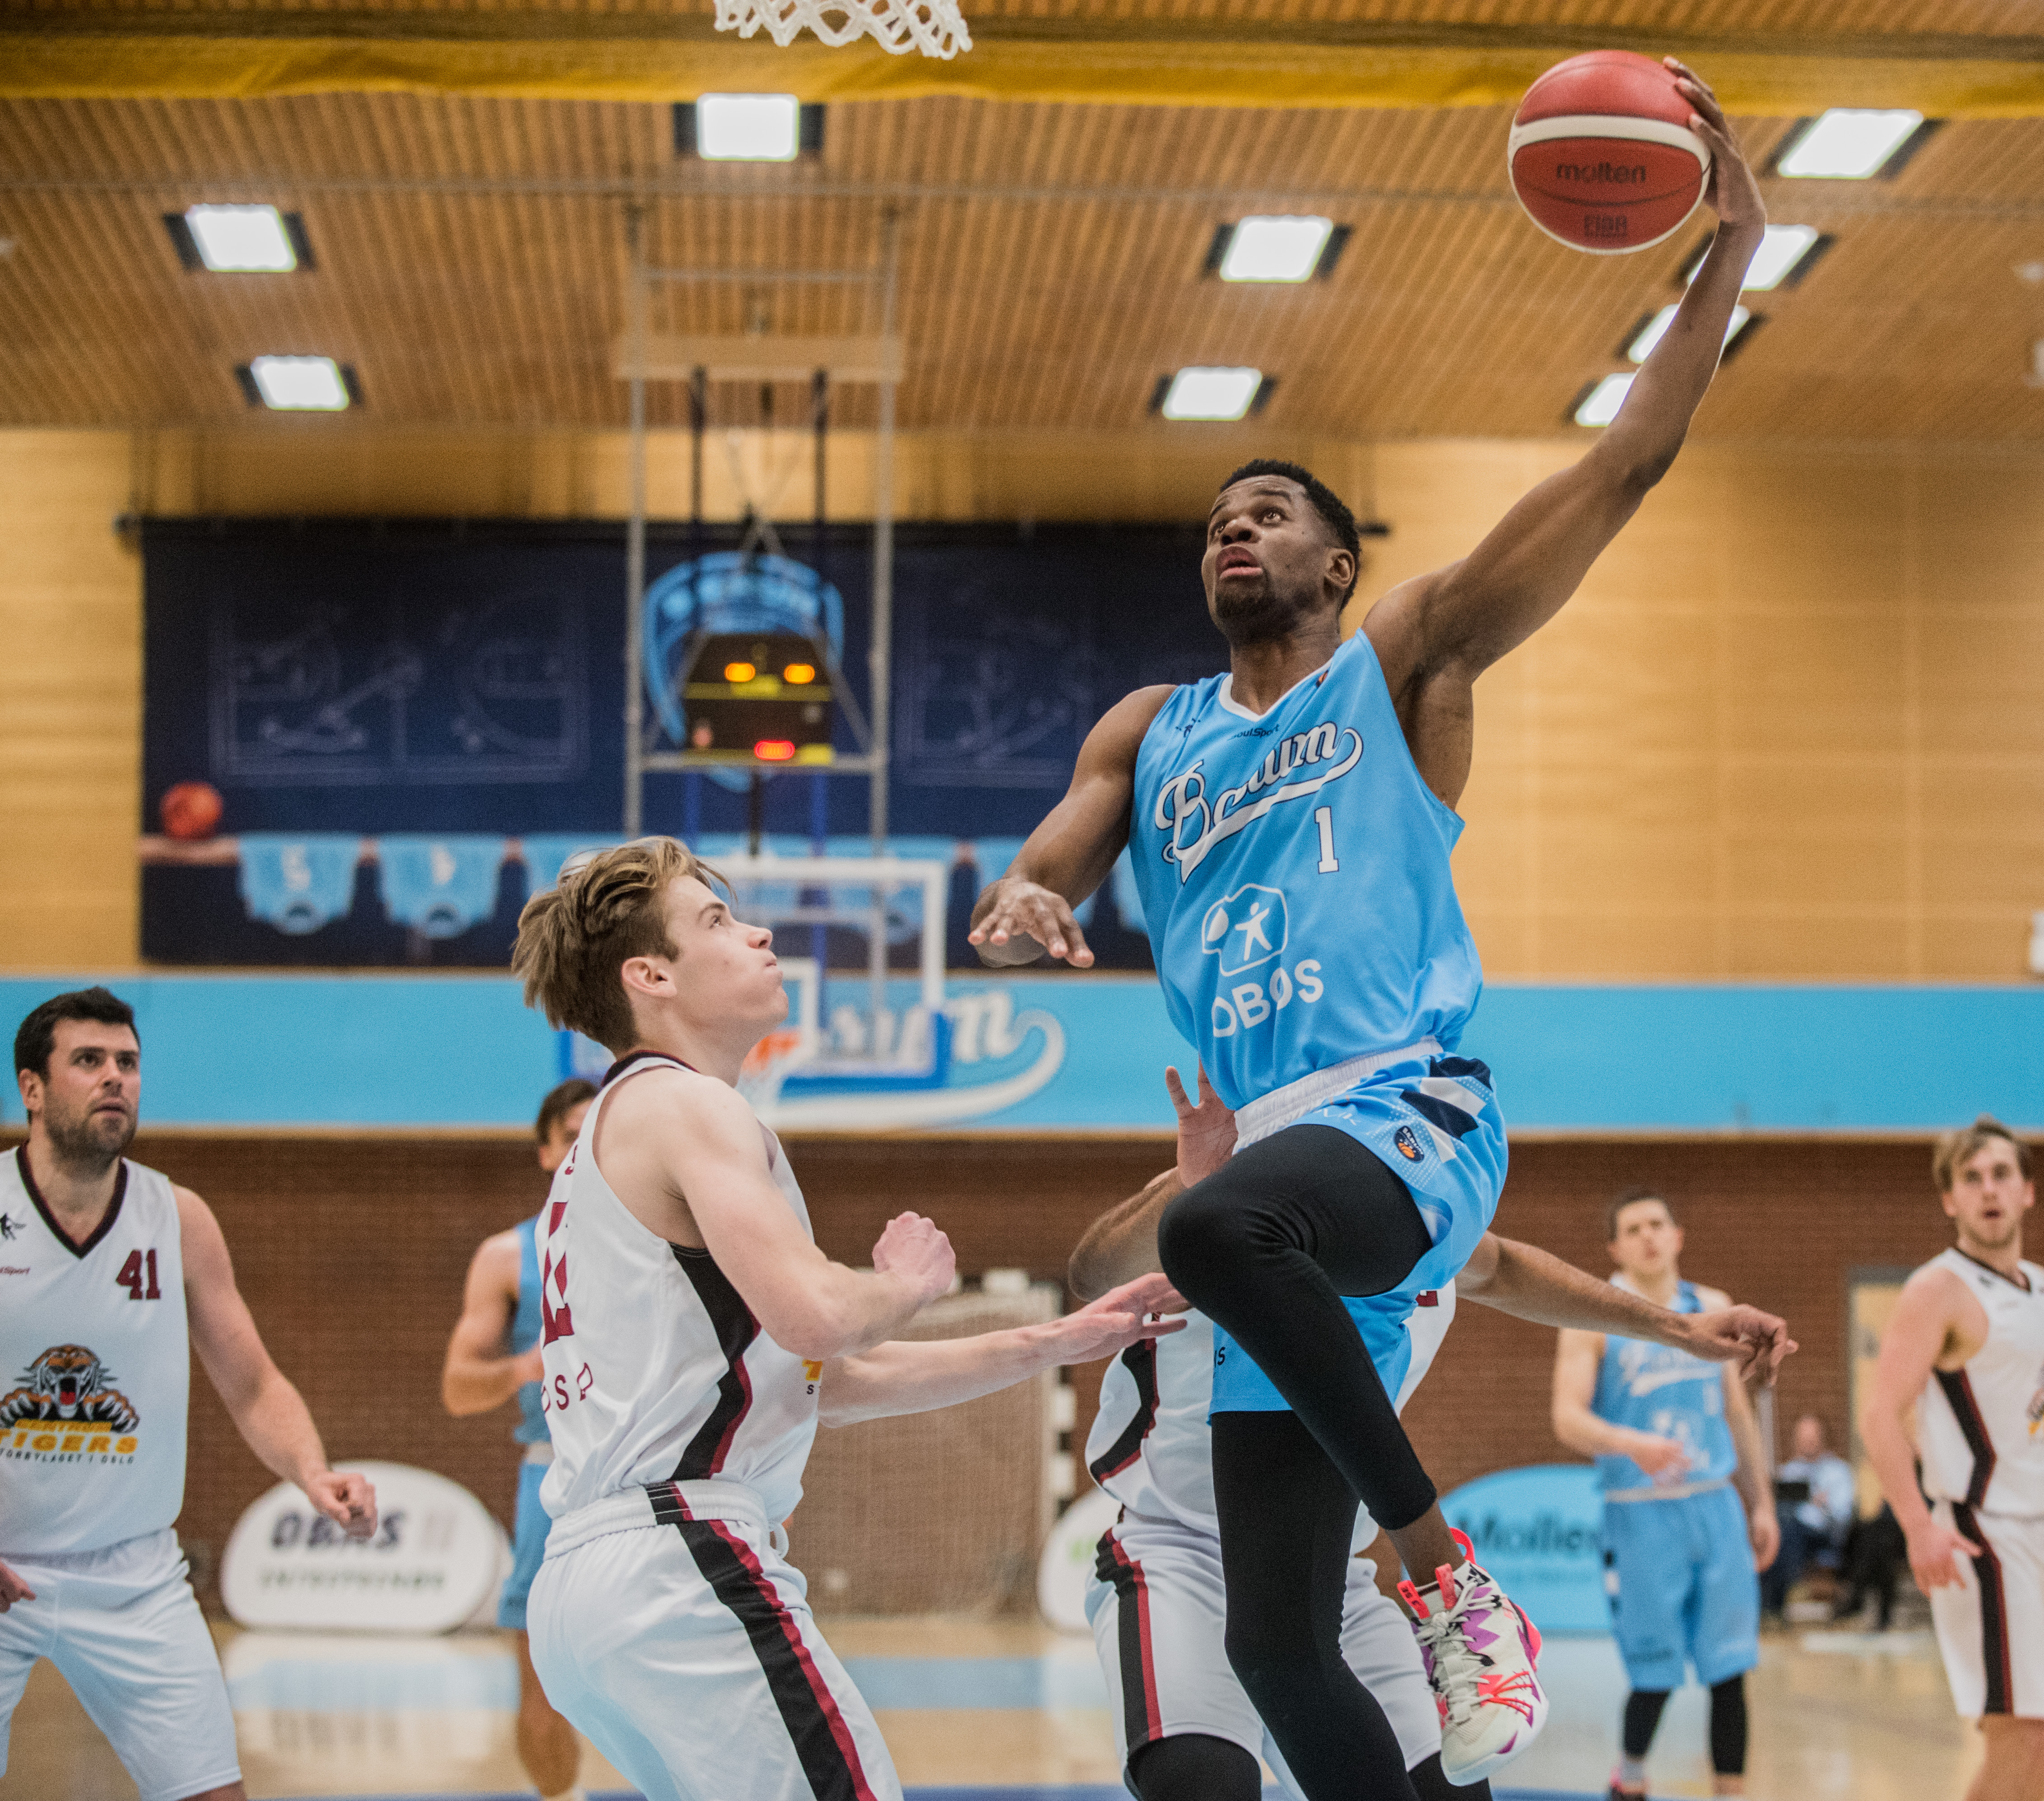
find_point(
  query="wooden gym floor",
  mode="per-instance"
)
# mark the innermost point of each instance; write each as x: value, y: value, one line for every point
x: 1837, y: 1716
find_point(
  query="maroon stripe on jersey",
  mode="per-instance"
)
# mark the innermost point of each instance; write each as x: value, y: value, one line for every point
x: 816, y: 1724
x: 1140, y: 1361
x: 49, y: 1219
x: 1966, y: 1410
x: 1142, y: 1715
x: 1994, y: 1614
x: 735, y: 1329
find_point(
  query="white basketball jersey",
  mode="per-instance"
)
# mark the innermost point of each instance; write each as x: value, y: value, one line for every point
x: 655, y: 1370
x: 1151, y: 1447
x: 95, y: 1368
x: 1979, y: 1424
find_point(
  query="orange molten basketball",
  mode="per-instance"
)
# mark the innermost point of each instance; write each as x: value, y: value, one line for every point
x: 1602, y: 155
x: 191, y: 809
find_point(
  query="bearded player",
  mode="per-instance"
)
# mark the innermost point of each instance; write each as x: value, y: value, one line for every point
x: 1291, y: 823
x: 493, y: 1357
x: 1964, y: 1347
x: 113, y: 1278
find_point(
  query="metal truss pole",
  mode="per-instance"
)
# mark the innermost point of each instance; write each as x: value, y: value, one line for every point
x: 635, y: 534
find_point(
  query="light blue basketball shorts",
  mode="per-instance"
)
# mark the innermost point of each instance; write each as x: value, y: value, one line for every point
x: 1682, y: 1585
x: 528, y: 1547
x: 1433, y: 1120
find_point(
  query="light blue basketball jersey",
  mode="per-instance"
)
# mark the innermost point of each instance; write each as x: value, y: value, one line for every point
x: 1293, y: 868
x: 1657, y: 1388
x: 532, y: 1427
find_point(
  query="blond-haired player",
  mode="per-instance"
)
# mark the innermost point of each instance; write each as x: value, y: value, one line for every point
x: 1964, y: 1347
x: 111, y: 1278
x: 692, y: 1336
x: 493, y: 1357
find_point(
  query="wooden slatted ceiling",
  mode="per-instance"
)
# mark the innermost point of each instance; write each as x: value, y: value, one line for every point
x: 1051, y: 267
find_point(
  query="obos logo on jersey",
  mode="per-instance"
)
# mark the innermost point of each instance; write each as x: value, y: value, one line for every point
x: 67, y: 1410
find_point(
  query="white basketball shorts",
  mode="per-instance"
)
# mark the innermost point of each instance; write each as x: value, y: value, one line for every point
x: 1990, y: 1627
x: 1159, y: 1610
x: 666, y: 1625
x: 125, y: 1630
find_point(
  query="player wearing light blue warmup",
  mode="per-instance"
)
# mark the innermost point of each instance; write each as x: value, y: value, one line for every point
x: 1689, y: 1518
x: 1290, y: 825
x: 501, y: 1315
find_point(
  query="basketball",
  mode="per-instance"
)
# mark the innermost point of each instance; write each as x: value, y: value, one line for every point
x: 1602, y: 157
x: 190, y: 809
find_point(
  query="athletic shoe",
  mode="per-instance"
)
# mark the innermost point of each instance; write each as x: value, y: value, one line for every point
x: 1480, y: 1652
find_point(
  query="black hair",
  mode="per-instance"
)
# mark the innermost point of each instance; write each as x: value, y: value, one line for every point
x: 37, y: 1036
x: 1332, y: 508
x: 559, y: 1102
x: 1631, y: 1196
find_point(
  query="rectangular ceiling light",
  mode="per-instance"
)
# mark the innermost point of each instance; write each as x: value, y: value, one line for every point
x: 1784, y: 255
x: 748, y: 127
x: 1651, y: 333
x: 1600, y: 407
x: 1848, y: 143
x: 1270, y: 248
x: 1211, y: 394
x: 300, y: 384
x: 241, y: 239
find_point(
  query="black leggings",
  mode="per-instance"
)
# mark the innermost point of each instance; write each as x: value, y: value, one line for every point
x: 1192, y: 1766
x: 1728, y: 1723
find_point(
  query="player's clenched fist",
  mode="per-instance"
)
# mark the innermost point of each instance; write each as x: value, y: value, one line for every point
x: 346, y: 1498
x: 1014, y: 908
x: 912, y: 1248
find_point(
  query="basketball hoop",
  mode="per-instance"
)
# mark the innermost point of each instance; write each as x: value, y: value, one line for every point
x: 934, y: 27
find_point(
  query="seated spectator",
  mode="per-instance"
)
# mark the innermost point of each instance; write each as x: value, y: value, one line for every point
x: 1813, y: 1530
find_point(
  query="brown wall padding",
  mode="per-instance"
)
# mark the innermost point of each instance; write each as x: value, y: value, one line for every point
x: 351, y: 1253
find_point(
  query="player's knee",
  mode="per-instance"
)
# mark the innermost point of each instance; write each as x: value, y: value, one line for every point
x: 1203, y: 1234
x: 1194, y: 1766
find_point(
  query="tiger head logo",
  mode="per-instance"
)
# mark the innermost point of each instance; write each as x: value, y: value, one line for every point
x: 68, y: 1383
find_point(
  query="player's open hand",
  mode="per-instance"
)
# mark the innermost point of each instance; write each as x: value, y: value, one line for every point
x: 912, y: 1248
x: 1206, y: 1132
x: 1663, y: 1459
x: 346, y: 1498
x: 1023, y: 909
x: 1932, y: 1552
x: 1120, y: 1317
x: 1729, y: 188
x: 13, y: 1589
x: 1756, y: 1341
x: 1763, y: 1532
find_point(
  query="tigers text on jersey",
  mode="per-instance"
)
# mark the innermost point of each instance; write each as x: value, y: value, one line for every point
x: 1293, y: 867
x: 655, y: 1369
x: 1151, y: 1447
x: 1981, y: 1426
x: 1658, y: 1389
x: 95, y: 1368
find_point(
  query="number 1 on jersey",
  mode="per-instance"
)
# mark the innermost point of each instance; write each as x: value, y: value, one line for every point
x: 1323, y: 817
x: 130, y: 1277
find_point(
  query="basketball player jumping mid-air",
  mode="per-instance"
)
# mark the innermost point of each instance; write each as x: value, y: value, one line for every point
x: 110, y: 1279
x: 494, y: 1357
x: 691, y: 1335
x: 1184, y: 1726
x: 1964, y: 1347
x: 1291, y: 823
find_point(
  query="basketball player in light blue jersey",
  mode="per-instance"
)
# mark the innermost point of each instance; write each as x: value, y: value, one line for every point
x: 1688, y: 1517
x: 494, y: 1357
x: 1290, y: 825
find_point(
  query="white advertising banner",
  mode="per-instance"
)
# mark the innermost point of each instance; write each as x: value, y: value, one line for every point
x: 435, y: 1559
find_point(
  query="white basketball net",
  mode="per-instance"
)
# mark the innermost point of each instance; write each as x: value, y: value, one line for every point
x: 934, y: 27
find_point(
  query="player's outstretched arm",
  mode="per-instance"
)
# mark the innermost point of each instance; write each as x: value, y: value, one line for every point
x: 913, y: 1378
x: 688, y: 1158
x: 1576, y: 1356
x: 1121, y: 1245
x: 1532, y: 1284
x: 267, y: 1412
x: 1927, y: 1328
x: 1028, y: 910
x: 477, y: 1375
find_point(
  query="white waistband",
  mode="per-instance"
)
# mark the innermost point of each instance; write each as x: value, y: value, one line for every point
x: 1281, y: 1107
x: 542, y: 1453
x: 1678, y: 1492
x: 662, y: 1504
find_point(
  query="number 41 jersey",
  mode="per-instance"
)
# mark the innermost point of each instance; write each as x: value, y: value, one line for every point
x: 1294, y: 873
x: 95, y: 1368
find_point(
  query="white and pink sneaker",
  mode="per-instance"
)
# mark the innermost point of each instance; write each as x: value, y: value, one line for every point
x: 1480, y: 1652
